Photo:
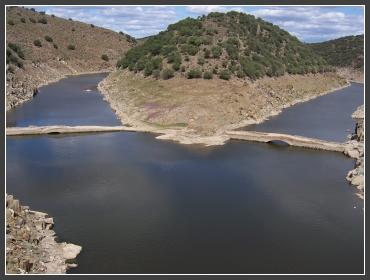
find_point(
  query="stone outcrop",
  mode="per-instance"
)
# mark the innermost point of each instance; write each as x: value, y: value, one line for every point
x: 355, y: 149
x: 30, y: 243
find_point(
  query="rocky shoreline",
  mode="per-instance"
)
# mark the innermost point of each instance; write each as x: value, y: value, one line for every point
x: 30, y: 243
x: 355, y: 149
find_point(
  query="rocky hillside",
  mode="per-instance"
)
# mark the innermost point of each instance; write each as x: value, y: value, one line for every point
x: 42, y: 48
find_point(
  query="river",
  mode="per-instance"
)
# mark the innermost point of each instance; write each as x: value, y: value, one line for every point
x: 138, y: 205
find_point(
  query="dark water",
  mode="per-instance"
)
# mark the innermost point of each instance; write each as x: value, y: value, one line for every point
x: 138, y: 205
x: 326, y: 117
x: 65, y: 103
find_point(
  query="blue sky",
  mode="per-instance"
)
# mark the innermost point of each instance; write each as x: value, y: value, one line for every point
x: 309, y: 24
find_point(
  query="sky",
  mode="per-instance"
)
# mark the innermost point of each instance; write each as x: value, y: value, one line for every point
x: 310, y: 24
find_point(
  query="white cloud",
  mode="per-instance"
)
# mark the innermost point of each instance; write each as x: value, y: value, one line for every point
x: 307, y: 23
x: 200, y: 10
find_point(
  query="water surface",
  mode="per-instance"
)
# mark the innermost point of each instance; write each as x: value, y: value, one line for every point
x: 138, y: 205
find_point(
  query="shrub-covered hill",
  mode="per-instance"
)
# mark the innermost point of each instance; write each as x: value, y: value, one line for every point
x: 342, y: 52
x: 33, y: 37
x: 223, y: 45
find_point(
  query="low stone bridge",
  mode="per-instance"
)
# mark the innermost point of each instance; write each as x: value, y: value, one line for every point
x: 62, y: 129
x: 293, y: 140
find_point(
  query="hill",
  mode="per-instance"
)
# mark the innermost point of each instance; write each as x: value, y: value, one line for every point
x: 231, y: 44
x: 214, y: 73
x: 41, y: 48
x: 342, y: 52
x: 346, y: 54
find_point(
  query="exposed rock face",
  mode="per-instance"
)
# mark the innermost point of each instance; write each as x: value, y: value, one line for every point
x: 351, y: 74
x: 30, y: 243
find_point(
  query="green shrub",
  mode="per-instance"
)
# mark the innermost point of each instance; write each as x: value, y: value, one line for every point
x: 225, y: 74
x: 10, y: 69
x: 216, y: 51
x: 41, y: 12
x: 92, y: 25
x: 13, y: 59
x: 14, y: 47
x: 73, y: 30
x: 48, y: 38
x: 52, y: 15
x: 37, y: 43
x: 104, y: 57
x: 32, y: 20
x: 33, y: 9
x: 71, y: 47
x: 55, y: 46
x: 10, y: 22
x: 194, y: 74
x: 8, y: 53
x: 149, y: 67
x: 23, y: 20
x: 176, y: 66
x: 20, y: 53
x: 208, y: 75
x: 43, y: 21
x: 69, y: 19
x: 167, y: 73
x: 240, y: 74
x: 201, y: 60
x: 121, y: 33
x: 156, y: 73
x: 124, y: 63
x: 207, y: 54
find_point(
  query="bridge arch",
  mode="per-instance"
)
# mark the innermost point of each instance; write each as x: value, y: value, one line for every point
x: 279, y: 142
